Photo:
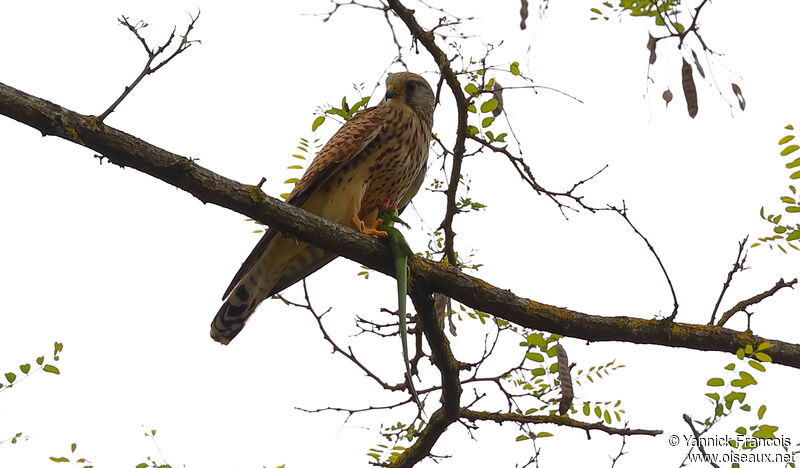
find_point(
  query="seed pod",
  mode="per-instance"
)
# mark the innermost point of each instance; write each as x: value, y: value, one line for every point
x: 565, y: 377
x: 689, y: 90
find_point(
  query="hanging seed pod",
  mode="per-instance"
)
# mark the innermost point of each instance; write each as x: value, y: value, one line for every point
x: 497, y: 93
x: 667, y: 96
x: 565, y: 377
x: 697, y: 64
x: 651, y: 46
x: 739, y: 96
x: 689, y: 89
x: 523, y: 13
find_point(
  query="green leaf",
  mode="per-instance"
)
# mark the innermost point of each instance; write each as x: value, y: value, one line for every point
x: 293, y: 180
x: 744, y: 380
x: 734, y: 396
x: 730, y: 366
x: 473, y: 130
x: 713, y: 396
x: 317, y: 122
x: 25, y: 368
x: 586, y: 409
x: 489, y: 105
x: 60, y: 459
x: 515, y: 68
x: 607, y: 417
x: 715, y: 382
x: 763, y: 357
x: 757, y: 366
x: 786, y: 139
x: 740, y: 353
x: 789, y: 150
x: 793, y: 164
x: 764, y: 345
x: 73, y: 447
x: 488, y: 121
x: 11, y: 377
x: 795, y: 175
x: 40, y: 360
x: 522, y: 437
x: 535, y: 357
x: 538, y: 372
x: 598, y: 412
x: 765, y: 432
x: 51, y: 369
x: 296, y: 166
x: 761, y: 411
x: 471, y: 89
x: 544, y: 434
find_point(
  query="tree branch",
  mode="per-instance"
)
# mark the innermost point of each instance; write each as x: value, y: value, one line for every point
x: 443, y: 359
x: 126, y: 150
x: 152, y: 54
x: 755, y: 300
x: 557, y: 420
x: 738, y: 265
x: 426, y: 38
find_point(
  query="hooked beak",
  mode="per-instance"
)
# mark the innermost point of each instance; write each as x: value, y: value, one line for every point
x: 391, y: 91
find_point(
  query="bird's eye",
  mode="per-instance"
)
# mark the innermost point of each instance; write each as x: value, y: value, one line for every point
x: 411, y: 86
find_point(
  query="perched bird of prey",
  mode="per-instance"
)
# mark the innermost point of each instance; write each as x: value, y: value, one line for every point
x: 380, y: 154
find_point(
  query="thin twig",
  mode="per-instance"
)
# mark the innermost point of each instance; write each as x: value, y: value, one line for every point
x: 152, y: 54
x: 742, y: 305
x: 698, y: 439
x: 623, y: 212
x: 526, y: 174
x: 621, y: 449
x: 336, y: 348
x: 738, y: 265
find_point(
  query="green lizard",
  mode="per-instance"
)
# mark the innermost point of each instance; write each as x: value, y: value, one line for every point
x: 401, y: 251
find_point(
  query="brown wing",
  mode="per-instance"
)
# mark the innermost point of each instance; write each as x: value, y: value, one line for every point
x: 346, y: 143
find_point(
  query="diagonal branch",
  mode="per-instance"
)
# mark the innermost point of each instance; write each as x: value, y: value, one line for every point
x: 624, y: 213
x: 738, y: 265
x: 126, y: 150
x: 742, y: 305
x: 152, y: 54
x: 349, y: 354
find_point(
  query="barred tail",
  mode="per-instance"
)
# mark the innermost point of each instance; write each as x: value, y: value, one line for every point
x: 233, y: 314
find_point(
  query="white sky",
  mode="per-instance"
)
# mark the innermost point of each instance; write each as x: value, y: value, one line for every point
x: 127, y: 271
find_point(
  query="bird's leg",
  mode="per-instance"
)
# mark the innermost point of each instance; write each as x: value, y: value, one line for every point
x: 370, y: 231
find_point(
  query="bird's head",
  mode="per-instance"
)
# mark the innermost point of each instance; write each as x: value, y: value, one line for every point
x: 412, y: 90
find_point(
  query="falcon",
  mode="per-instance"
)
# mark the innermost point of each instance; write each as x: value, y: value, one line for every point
x: 378, y: 156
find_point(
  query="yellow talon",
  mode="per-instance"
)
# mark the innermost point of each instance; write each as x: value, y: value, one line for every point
x: 370, y: 231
